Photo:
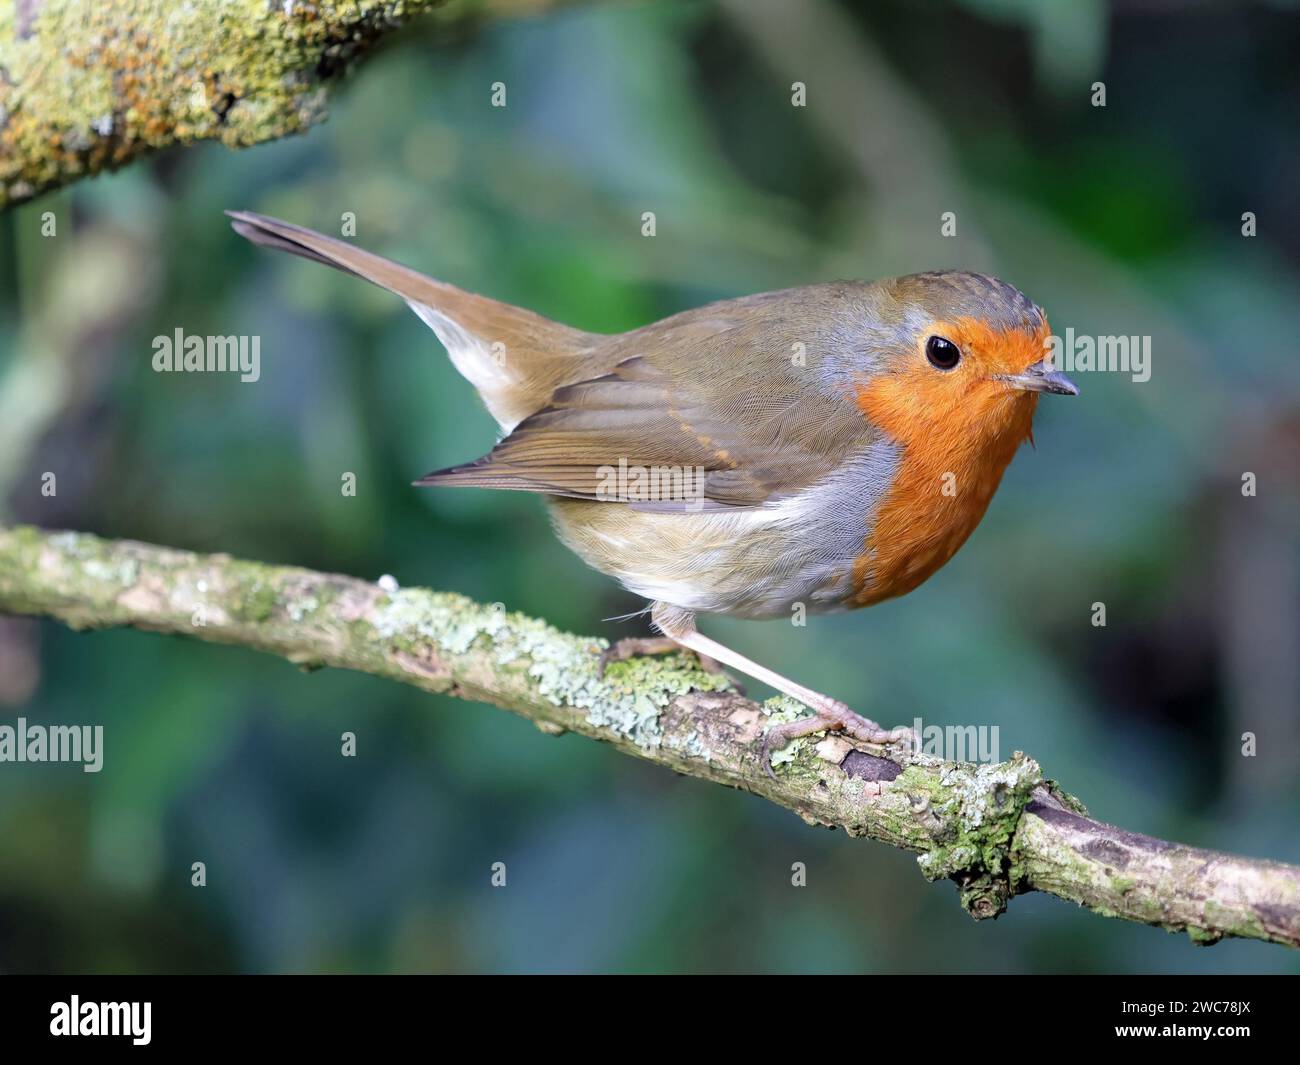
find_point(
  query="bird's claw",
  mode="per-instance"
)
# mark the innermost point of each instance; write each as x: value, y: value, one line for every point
x: 835, y: 718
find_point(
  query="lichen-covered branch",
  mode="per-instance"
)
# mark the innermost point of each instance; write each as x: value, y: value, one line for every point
x: 996, y: 830
x: 90, y: 85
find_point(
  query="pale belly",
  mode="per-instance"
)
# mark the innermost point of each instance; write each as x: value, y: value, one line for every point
x: 758, y: 562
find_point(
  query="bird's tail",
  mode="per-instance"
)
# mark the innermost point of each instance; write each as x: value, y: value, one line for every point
x: 515, y: 358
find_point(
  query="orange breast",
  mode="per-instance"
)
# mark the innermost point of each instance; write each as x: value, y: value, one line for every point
x: 948, y: 473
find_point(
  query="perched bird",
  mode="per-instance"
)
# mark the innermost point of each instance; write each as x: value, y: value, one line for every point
x: 830, y: 446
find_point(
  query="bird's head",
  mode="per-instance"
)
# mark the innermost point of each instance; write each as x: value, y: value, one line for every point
x: 959, y: 359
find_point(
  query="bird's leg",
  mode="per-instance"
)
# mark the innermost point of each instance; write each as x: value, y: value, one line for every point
x: 631, y: 646
x: 830, y: 714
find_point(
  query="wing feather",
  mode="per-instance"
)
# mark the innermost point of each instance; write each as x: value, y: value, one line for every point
x: 705, y: 410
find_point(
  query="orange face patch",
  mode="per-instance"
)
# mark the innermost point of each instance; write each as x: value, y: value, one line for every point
x: 959, y: 429
x: 965, y: 403
x: 998, y: 350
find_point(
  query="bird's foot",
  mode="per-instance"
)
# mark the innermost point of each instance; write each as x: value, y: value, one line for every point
x: 830, y: 715
x: 632, y: 646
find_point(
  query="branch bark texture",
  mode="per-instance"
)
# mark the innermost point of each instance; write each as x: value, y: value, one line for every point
x: 995, y: 830
x: 90, y: 85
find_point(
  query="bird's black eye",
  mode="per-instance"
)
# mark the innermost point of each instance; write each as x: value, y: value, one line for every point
x: 942, y: 353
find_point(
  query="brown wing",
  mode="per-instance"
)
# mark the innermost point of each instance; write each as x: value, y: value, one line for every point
x: 713, y: 413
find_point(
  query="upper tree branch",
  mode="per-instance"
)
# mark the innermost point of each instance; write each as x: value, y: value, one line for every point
x: 90, y: 85
x: 996, y: 830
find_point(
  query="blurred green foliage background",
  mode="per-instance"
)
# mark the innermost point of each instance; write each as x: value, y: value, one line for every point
x: 1119, y: 220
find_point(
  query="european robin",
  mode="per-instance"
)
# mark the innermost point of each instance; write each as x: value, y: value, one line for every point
x: 830, y: 446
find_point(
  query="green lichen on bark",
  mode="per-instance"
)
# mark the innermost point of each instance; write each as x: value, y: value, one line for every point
x: 632, y: 694
x: 89, y: 85
x: 779, y: 710
x: 961, y: 816
x: 977, y: 810
x: 562, y: 669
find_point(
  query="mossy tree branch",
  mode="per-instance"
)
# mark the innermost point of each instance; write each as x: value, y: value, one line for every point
x: 996, y: 830
x: 90, y: 85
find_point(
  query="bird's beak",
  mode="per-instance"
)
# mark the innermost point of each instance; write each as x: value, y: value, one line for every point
x: 1041, y: 378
